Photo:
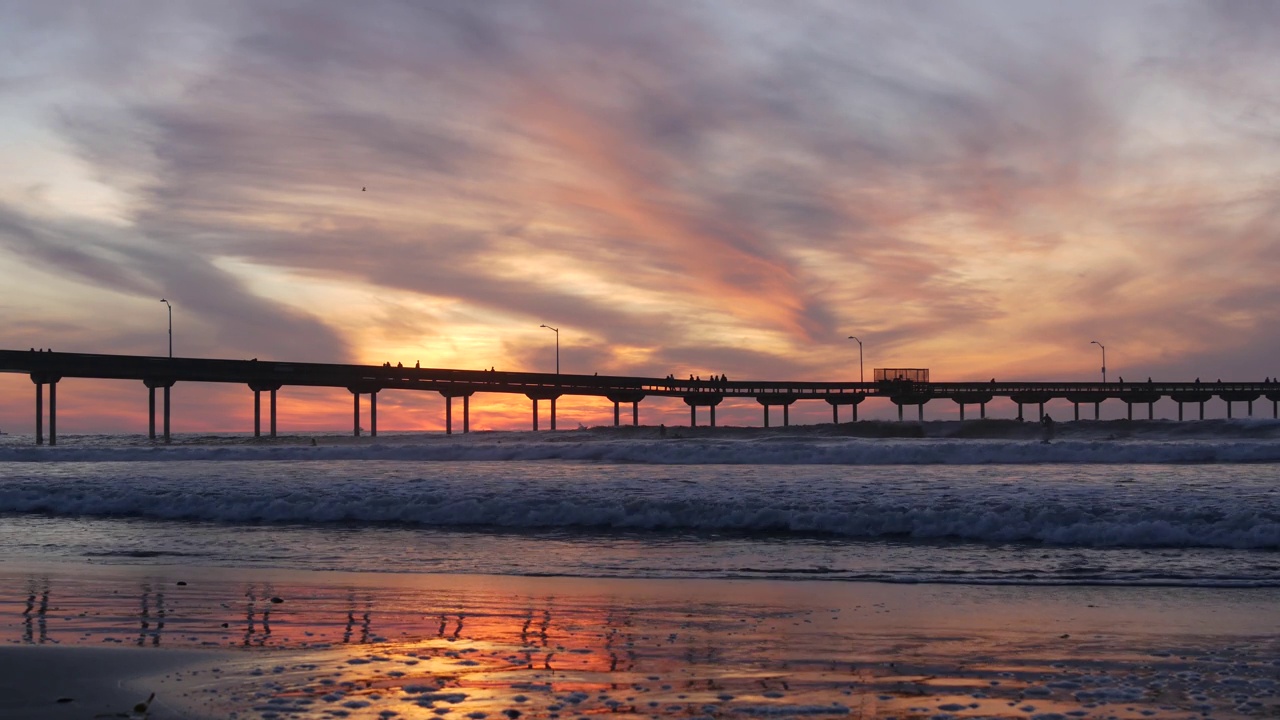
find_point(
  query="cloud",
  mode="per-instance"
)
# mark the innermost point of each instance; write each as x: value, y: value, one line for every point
x: 977, y: 186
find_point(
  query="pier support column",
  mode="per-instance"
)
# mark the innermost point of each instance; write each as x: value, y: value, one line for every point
x: 766, y: 416
x: 635, y: 413
x: 855, y: 412
x: 835, y: 415
x: 1179, y: 412
x: 355, y: 422
x: 1097, y: 409
x: 536, y: 395
x: 1019, y: 412
x: 982, y: 411
x: 961, y: 412
x: 713, y: 416
x: 51, y: 409
x: 259, y: 388
x: 53, y: 413
x: 1077, y: 409
x: 448, y: 396
x: 1228, y: 409
x: 1151, y: 411
x: 617, y: 413
x: 899, y: 413
x: 373, y: 414
x: 152, y: 384
x: 1129, y: 405
x: 1201, y: 409
x: 920, y: 412
x: 693, y: 415
x: 39, y: 413
x: 786, y: 416
x: 1275, y: 409
x: 1041, y: 418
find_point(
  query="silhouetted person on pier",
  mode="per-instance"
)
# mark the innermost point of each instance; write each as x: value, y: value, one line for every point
x: 417, y: 364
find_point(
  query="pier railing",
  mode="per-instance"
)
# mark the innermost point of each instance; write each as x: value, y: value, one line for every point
x: 47, y: 368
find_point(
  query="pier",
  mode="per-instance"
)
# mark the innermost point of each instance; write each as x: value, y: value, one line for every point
x: 48, y: 368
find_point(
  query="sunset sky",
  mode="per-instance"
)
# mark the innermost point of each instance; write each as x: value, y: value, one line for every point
x: 978, y: 188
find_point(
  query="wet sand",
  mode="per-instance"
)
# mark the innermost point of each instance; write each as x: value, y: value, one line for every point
x: 219, y: 643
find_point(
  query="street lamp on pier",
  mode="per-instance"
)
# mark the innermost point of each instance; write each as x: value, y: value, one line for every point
x: 166, y: 302
x: 1104, y: 358
x: 557, y: 332
x: 860, y: 378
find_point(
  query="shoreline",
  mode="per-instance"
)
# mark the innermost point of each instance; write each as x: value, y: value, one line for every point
x: 300, y: 643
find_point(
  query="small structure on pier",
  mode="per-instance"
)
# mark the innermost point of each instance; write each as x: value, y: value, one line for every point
x: 915, y: 375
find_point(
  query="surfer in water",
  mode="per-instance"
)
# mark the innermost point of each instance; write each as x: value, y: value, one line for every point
x: 1046, y: 422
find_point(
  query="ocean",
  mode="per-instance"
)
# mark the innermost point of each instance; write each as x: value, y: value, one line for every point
x: 1164, y: 504
x: 944, y: 570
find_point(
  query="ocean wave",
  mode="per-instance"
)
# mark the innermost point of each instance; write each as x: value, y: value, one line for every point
x: 702, y: 450
x: 860, y: 513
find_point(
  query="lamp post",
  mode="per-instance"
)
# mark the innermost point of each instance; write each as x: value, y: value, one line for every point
x: 166, y: 302
x: 860, y: 378
x: 1104, y: 358
x: 557, y: 332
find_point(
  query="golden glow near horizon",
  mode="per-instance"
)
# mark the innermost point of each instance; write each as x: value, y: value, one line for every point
x: 716, y: 190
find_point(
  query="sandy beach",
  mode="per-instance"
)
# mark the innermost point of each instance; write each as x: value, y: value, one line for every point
x: 87, y: 641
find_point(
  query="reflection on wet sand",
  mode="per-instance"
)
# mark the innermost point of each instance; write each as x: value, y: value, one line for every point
x: 145, y: 616
x: 364, y: 623
x: 257, y: 605
x: 407, y: 651
x: 35, y: 620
